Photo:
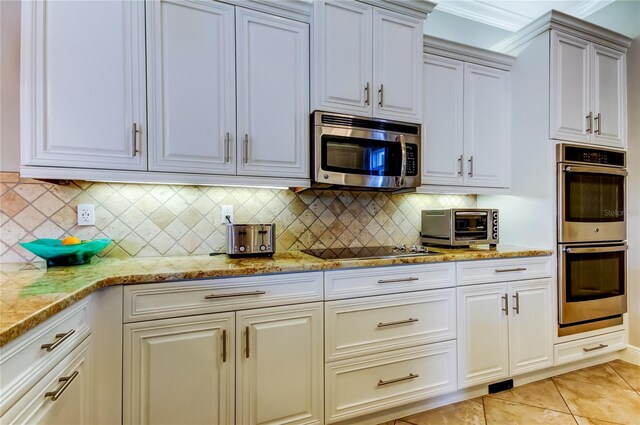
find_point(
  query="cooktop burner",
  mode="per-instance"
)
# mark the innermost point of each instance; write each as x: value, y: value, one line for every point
x: 368, y: 252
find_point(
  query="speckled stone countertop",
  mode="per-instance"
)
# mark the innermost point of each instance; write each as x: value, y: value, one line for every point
x: 30, y: 293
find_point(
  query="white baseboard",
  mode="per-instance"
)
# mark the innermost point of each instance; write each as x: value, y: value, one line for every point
x: 631, y: 354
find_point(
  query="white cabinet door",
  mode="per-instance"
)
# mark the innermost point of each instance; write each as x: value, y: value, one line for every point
x: 279, y: 365
x: 343, y: 55
x: 179, y: 371
x: 273, y: 95
x: 570, y: 89
x: 530, y: 326
x: 83, y: 84
x: 487, y: 131
x: 397, y: 66
x: 483, y: 328
x: 609, y: 97
x: 191, y: 86
x: 442, y: 132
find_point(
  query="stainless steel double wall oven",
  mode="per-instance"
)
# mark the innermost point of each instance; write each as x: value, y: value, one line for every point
x: 592, y: 247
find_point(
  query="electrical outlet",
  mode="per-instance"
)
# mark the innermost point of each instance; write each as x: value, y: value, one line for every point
x: 226, y: 210
x: 86, y: 215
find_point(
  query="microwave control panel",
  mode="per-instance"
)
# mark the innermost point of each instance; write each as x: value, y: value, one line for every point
x: 412, y: 159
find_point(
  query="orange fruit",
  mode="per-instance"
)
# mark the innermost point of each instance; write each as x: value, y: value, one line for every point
x: 71, y: 240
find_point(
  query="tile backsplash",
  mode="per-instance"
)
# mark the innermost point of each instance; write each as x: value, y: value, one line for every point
x: 154, y: 220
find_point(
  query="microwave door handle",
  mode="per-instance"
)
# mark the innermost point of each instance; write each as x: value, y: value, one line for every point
x: 403, y: 166
x: 595, y: 249
x: 595, y: 170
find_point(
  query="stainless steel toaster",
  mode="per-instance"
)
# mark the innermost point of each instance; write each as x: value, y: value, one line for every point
x: 250, y: 240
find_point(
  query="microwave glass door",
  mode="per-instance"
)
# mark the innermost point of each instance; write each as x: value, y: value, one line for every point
x: 594, y: 275
x: 594, y: 197
x: 362, y: 156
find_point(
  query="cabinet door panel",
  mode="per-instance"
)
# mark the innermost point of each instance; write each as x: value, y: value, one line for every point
x: 343, y: 57
x: 442, y: 155
x: 175, y: 371
x: 397, y: 66
x: 191, y: 66
x: 280, y: 365
x: 570, y: 93
x: 80, y: 102
x: 487, y: 130
x: 483, y: 327
x: 530, y: 326
x: 609, y: 97
x: 273, y: 95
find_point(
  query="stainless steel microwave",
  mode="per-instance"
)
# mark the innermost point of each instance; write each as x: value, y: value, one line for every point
x: 459, y: 227
x: 350, y: 152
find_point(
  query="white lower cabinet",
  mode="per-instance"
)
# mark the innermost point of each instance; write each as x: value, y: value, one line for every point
x: 504, y: 329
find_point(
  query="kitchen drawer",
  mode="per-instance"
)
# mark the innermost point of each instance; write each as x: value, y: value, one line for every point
x: 24, y: 361
x: 175, y: 299
x: 503, y: 270
x: 375, y: 324
x: 353, y: 283
x: 572, y: 351
x: 377, y: 382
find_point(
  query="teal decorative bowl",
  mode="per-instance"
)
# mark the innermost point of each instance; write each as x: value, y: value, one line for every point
x: 57, y: 254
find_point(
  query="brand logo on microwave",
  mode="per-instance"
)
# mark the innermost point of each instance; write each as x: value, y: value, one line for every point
x: 614, y: 213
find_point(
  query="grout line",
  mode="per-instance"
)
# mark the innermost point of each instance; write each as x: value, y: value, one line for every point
x: 484, y: 411
x: 531, y: 405
x: 563, y: 399
x: 622, y: 377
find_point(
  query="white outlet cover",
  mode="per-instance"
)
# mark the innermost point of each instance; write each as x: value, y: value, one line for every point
x: 226, y: 210
x: 86, y: 215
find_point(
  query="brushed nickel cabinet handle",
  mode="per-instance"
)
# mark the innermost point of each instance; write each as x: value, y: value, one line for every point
x: 589, y: 117
x: 404, y: 378
x: 516, y: 269
x: 470, y: 160
x: 408, y: 279
x: 235, y: 294
x: 516, y: 304
x: 505, y: 297
x: 381, y: 95
x: 224, y: 346
x: 598, y: 120
x: 460, y: 171
x: 227, y: 147
x: 245, y: 148
x: 246, y: 341
x: 60, y: 339
x: 136, y: 130
x: 599, y: 347
x: 399, y: 322
x: 66, y: 380
x: 366, y: 94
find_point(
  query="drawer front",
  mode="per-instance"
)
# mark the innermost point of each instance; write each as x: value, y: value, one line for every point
x: 488, y: 271
x: 24, y: 361
x: 373, y: 383
x: 388, y: 322
x: 175, y: 299
x: 568, y: 352
x: 353, y: 283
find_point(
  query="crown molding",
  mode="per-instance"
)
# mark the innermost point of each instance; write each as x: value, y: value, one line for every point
x: 484, y: 13
x: 454, y: 50
x: 416, y: 8
x: 588, y: 7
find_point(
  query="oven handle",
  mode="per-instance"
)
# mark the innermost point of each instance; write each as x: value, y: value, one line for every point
x: 595, y: 249
x: 594, y: 170
x: 403, y: 167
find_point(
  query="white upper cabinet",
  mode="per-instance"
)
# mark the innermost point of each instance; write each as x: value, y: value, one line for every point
x: 191, y: 87
x: 367, y: 61
x: 588, y: 92
x: 83, y: 86
x: 344, y: 54
x: 443, y: 151
x: 272, y: 66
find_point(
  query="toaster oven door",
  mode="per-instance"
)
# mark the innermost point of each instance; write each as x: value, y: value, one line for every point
x: 472, y: 226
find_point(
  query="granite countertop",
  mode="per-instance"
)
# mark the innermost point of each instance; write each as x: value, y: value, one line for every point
x: 30, y: 293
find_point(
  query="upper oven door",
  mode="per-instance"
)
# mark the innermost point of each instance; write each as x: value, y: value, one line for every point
x: 591, y: 201
x: 365, y: 158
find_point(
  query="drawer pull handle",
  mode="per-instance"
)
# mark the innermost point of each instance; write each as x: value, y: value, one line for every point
x: 399, y: 322
x: 599, y: 347
x: 66, y: 380
x: 408, y: 279
x: 517, y: 269
x: 235, y: 294
x: 393, y: 381
x: 60, y: 339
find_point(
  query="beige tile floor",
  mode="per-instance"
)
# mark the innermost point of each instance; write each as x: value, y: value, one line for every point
x: 599, y: 395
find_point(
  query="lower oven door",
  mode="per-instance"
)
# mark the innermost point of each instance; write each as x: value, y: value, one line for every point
x: 592, y: 282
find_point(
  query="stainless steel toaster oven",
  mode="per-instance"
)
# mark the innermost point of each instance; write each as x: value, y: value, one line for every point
x: 459, y: 227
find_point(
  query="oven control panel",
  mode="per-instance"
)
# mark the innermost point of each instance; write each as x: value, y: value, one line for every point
x: 593, y: 156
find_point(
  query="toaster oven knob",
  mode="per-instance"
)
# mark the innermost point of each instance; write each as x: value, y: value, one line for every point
x: 242, y: 248
x: 495, y: 228
x: 263, y: 247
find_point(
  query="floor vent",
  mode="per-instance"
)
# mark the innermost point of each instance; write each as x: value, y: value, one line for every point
x: 501, y: 386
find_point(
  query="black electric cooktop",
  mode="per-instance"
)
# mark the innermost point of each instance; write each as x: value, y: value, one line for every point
x: 368, y: 252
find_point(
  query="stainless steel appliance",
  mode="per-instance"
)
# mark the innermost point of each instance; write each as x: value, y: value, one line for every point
x: 591, y: 194
x: 250, y: 240
x: 365, y: 252
x: 460, y: 227
x: 350, y: 152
